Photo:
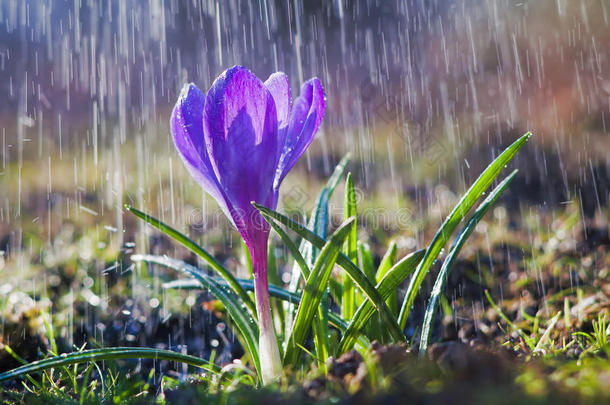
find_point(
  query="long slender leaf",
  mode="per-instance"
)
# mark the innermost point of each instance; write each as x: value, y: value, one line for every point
x: 441, y: 279
x: 300, y: 264
x: 274, y: 278
x: 373, y: 328
x: 313, y: 291
x: 247, y: 258
x: 334, y: 320
x: 306, y: 248
x: 243, y: 321
x: 318, y: 221
x: 348, y: 298
x: 111, y: 353
x: 334, y: 287
x: 294, y: 251
x: 452, y: 221
x: 350, y: 268
x: 199, y: 251
x: 320, y: 330
x: 390, y: 282
x: 386, y: 264
x: 365, y: 260
x: 320, y: 322
x: 335, y: 178
x: 387, y: 261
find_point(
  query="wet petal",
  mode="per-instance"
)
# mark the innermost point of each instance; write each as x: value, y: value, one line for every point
x: 305, y: 119
x: 279, y: 87
x: 240, y: 129
x: 186, y: 124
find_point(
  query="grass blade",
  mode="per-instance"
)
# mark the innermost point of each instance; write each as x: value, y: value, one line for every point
x: 348, y: 298
x: 111, y: 353
x: 320, y: 322
x: 452, y: 221
x: 199, y: 251
x: 277, y: 308
x: 547, y: 333
x: 441, y: 279
x: 350, y: 268
x: 306, y: 248
x: 390, y: 282
x: 334, y: 320
x: 318, y: 221
x: 365, y: 260
x: 528, y: 340
x: 386, y: 264
x: 388, y: 260
x: 294, y: 251
x: 320, y: 330
x: 333, y: 180
x: 243, y: 321
x: 313, y: 292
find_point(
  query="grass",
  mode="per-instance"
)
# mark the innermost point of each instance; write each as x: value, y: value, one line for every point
x: 528, y: 283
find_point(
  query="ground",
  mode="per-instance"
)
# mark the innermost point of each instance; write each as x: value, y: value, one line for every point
x: 523, y: 319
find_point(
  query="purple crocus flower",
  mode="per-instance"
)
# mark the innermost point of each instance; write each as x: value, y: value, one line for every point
x: 239, y: 142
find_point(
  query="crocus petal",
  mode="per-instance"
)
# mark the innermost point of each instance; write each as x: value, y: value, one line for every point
x: 240, y: 129
x: 186, y: 124
x: 305, y: 119
x: 239, y: 142
x: 279, y: 87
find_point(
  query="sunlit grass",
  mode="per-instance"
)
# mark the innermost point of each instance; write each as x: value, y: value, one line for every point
x: 556, y: 330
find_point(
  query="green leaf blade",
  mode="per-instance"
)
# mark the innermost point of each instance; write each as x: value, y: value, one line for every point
x: 357, y: 276
x: 385, y: 265
x: 112, y: 353
x: 313, y: 292
x: 390, y: 282
x: 348, y: 298
x: 275, y: 291
x: 452, y: 221
x: 244, y: 323
x: 461, y: 239
x: 199, y: 251
x: 318, y: 221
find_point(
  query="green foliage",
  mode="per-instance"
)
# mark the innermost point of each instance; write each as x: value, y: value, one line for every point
x: 356, y: 275
x: 313, y: 291
x: 461, y: 239
x: 244, y: 323
x: 348, y: 299
x: 334, y: 320
x: 111, y: 353
x: 365, y: 294
x: 199, y: 251
x: 452, y: 221
x: 388, y: 284
x: 318, y: 221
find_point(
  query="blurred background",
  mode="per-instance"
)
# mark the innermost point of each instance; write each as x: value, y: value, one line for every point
x: 423, y: 94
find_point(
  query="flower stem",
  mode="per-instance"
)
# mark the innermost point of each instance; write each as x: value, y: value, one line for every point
x: 271, y: 365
